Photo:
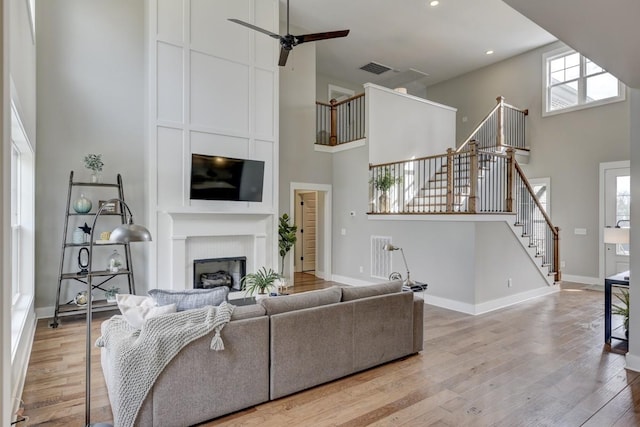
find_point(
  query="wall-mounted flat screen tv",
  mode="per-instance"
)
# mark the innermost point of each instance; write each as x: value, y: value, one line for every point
x: 225, y: 178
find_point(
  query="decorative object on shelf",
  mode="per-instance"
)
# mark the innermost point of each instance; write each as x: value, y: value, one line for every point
x: 93, y: 162
x: 407, y: 283
x: 383, y: 181
x: 85, y: 228
x: 109, y: 207
x: 80, y: 299
x: 82, y: 204
x: 105, y: 235
x: 114, y: 262
x: 111, y: 293
x: 286, y: 239
x: 77, y: 237
x: 83, y: 260
x: 124, y: 233
x: 259, y: 283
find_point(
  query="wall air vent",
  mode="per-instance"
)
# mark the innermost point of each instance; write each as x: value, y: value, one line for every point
x: 380, y: 259
x: 375, y: 68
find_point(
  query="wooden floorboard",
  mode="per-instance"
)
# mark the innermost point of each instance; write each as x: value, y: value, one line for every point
x: 538, y: 363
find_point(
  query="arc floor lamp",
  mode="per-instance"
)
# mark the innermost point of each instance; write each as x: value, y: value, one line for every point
x: 124, y: 233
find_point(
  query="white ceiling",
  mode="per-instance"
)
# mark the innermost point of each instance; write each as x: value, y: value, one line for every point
x: 444, y: 41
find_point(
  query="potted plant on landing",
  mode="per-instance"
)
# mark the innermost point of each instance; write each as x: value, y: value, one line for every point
x: 259, y: 283
x: 286, y: 240
x: 622, y: 309
x: 93, y: 162
x: 383, y: 182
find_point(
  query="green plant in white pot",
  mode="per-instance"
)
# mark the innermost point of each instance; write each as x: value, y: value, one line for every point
x: 622, y: 309
x: 382, y: 182
x: 259, y: 283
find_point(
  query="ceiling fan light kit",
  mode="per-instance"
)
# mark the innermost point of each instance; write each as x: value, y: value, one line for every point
x: 289, y: 41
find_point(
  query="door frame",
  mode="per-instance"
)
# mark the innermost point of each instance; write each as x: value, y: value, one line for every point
x: 601, y: 208
x: 325, y: 189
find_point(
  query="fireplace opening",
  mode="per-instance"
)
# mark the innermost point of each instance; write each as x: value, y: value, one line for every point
x: 215, y: 272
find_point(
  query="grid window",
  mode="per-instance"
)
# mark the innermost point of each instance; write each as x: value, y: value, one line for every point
x: 573, y: 81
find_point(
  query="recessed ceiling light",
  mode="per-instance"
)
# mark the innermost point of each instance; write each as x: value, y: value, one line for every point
x: 434, y: 3
x: 489, y: 52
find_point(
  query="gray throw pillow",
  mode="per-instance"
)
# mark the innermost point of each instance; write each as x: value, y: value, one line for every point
x: 350, y: 293
x: 190, y: 298
x: 283, y: 304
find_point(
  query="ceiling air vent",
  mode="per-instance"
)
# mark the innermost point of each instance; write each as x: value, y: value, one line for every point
x: 375, y: 68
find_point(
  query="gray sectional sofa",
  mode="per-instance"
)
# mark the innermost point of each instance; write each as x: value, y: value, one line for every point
x: 281, y: 346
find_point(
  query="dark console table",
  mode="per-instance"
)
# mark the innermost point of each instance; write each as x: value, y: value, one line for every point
x: 617, y: 280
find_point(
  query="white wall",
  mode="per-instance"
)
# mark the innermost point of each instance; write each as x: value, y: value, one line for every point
x: 5, y: 196
x: 567, y: 147
x: 299, y: 162
x: 401, y: 127
x: 322, y: 86
x: 90, y: 99
x: 633, y: 357
x: 213, y: 91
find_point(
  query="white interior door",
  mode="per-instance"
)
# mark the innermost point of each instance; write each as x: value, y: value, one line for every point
x: 617, y: 203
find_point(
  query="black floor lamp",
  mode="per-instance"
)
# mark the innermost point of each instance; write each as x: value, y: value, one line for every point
x: 124, y: 233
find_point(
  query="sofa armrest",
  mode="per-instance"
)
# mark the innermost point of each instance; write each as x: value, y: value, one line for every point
x: 418, y: 323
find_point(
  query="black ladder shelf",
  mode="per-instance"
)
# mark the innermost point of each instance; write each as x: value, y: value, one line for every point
x: 100, y: 278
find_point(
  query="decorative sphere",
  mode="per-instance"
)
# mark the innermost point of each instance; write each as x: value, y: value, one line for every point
x: 82, y: 205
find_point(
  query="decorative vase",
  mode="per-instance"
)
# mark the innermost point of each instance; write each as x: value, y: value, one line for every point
x: 81, y: 299
x: 77, y: 237
x: 384, y: 203
x: 82, y: 205
x: 114, y: 262
x: 95, y: 177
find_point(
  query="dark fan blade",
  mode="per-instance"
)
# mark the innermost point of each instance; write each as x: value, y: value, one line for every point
x: 284, y: 54
x: 253, y: 27
x: 320, y: 36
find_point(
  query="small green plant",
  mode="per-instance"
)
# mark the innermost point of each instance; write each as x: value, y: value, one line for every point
x: 259, y: 282
x: 622, y: 309
x: 286, y: 238
x: 93, y: 162
x: 384, y: 180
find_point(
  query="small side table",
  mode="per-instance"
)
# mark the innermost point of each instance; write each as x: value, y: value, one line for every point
x: 617, y: 280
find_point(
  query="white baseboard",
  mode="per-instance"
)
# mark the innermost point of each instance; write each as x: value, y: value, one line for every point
x: 633, y: 362
x: 488, y: 306
x: 581, y: 279
x: 45, y: 312
x: 499, y: 303
x: 449, y: 304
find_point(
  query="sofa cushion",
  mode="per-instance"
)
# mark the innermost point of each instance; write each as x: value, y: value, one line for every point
x: 285, y: 303
x: 242, y: 312
x: 136, y: 309
x: 190, y: 298
x: 352, y: 292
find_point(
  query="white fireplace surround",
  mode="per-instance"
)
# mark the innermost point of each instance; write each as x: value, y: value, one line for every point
x: 184, y: 237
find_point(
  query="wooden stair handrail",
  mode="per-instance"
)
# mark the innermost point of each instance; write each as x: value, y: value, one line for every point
x: 537, y: 202
x: 337, y: 103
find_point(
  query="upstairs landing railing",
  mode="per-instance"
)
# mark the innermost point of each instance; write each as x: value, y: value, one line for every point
x: 503, y: 127
x: 340, y: 122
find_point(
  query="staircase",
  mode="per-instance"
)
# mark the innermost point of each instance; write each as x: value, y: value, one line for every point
x: 482, y: 176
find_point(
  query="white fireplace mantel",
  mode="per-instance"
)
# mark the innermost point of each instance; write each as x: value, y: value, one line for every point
x: 189, y: 236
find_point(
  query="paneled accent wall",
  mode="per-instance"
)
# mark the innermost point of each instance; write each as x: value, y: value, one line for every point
x: 213, y: 89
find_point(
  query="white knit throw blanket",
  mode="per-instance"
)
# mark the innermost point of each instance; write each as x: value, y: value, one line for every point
x: 138, y: 356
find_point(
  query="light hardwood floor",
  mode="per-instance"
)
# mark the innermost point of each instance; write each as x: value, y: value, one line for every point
x: 539, y: 363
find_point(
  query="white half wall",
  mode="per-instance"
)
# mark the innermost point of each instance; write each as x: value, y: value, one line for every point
x: 402, y: 127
